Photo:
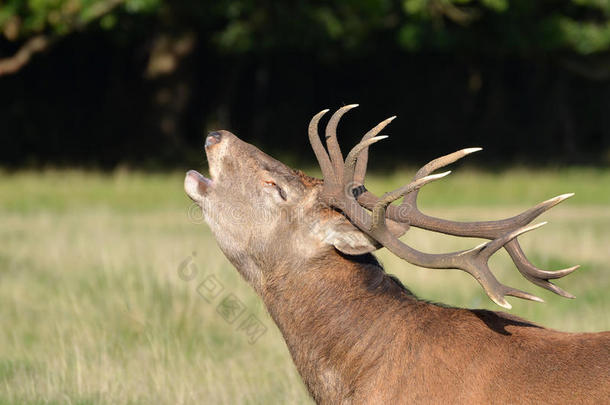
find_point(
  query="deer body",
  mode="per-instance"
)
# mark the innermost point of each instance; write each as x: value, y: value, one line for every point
x: 378, y: 344
x: 356, y: 335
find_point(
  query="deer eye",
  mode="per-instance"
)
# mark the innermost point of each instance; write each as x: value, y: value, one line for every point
x: 281, y: 192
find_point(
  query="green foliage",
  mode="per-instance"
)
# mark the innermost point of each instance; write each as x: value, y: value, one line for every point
x: 20, y: 19
x: 237, y: 26
x: 585, y: 37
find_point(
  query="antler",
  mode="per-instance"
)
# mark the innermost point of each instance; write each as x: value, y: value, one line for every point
x: 343, y: 189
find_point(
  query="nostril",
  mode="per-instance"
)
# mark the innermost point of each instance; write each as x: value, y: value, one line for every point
x: 212, y: 139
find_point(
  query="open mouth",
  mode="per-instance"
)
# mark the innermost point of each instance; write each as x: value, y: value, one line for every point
x: 196, y: 185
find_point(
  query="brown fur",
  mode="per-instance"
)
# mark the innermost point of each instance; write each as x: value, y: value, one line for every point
x: 356, y: 334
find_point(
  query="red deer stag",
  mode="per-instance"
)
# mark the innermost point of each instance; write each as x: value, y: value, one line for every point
x: 355, y: 333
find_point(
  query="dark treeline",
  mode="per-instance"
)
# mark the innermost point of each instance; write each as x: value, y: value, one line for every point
x: 145, y: 91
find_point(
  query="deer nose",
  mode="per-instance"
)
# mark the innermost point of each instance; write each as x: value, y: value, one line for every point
x: 212, y: 139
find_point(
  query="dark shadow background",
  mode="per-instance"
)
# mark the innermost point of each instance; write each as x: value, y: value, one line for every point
x: 143, y: 89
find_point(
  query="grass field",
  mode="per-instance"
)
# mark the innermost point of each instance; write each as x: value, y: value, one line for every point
x: 96, y: 309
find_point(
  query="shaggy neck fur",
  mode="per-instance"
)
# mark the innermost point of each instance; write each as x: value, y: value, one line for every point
x: 332, y: 313
x: 356, y: 335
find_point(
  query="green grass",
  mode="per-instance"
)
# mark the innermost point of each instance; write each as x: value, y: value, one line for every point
x: 94, y: 310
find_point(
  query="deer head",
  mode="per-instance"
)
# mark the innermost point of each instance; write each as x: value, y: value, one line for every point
x: 264, y: 214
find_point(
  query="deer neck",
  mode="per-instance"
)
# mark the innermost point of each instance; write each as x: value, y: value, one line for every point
x: 331, y: 312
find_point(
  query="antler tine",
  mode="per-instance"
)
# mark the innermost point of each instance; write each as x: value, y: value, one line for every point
x: 352, y: 157
x: 444, y: 161
x: 548, y: 285
x: 318, y: 148
x: 527, y: 270
x: 332, y: 144
x: 436, y: 164
x: 360, y: 170
x: 493, y: 246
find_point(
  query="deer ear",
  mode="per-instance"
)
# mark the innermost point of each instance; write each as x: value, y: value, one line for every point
x: 348, y: 239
